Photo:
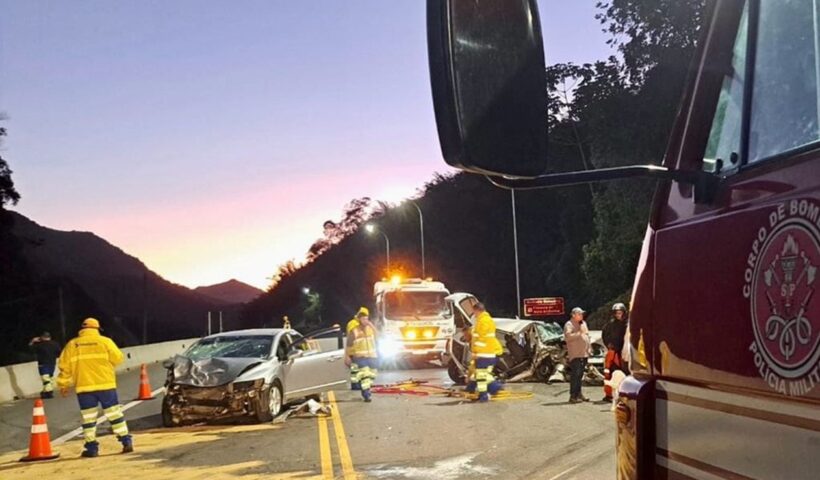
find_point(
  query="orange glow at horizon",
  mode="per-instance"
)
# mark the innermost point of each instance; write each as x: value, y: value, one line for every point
x: 246, y: 235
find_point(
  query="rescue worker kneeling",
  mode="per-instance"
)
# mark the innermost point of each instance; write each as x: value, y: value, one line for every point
x: 354, y: 369
x: 485, y: 349
x: 87, y: 362
x: 361, y: 352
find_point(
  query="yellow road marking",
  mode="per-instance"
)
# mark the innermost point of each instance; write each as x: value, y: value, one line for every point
x: 324, y: 449
x: 341, y: 439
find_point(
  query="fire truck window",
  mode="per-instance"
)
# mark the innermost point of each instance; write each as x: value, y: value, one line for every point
x: 724, y: 138
x: 784, y: 113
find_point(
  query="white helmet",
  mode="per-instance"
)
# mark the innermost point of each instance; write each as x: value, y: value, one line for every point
x: 619, y: 306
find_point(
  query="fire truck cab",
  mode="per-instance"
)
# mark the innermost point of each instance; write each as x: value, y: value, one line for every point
x: 724, y: 336
x: 413, y: 318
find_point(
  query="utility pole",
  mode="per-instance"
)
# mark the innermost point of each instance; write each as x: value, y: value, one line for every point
x: 62, y: 313
x: 220, y: 321
x: 515, y: 246
x: 209, y: 322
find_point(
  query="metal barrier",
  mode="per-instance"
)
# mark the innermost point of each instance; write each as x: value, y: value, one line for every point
x: 22, y: 380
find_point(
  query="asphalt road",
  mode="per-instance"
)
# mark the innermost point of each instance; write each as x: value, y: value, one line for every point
x: 395, y: 436
x: 63, y: 414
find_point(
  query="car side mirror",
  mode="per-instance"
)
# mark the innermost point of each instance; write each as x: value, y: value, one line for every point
x: 295, y: 353
x: 487, y: 73
x: 168, y: 363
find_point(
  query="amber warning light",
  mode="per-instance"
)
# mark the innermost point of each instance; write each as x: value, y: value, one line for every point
x: 543, y: 306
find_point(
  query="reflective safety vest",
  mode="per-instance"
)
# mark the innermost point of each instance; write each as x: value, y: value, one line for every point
x: 88, y: 362
x: 483, y: 342
x: 351, y: 325
x: 364, y: 342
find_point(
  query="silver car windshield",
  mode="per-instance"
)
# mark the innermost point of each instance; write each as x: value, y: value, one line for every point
x: 245, y: 346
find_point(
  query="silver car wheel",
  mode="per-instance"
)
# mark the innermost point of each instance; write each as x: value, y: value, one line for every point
x: 275, y: 400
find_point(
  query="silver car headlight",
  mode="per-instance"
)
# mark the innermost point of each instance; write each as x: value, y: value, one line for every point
x: 248, y: 385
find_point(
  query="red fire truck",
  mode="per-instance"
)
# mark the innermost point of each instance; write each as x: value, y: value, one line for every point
x: 724, y: 337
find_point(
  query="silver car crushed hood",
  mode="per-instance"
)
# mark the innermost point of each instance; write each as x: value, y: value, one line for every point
x: 211, y: 372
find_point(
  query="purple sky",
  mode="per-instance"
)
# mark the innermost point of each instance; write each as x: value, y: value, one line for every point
x: 212, y: 139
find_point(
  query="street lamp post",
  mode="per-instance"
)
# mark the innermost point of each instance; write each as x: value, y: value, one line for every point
x: 421, y: 229
x: 515, y: 247
x: 371, y: 229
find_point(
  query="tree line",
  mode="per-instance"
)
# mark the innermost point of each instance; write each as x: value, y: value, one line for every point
x: 581, y: 243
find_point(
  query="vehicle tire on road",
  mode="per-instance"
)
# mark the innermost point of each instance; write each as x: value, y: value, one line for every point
x: 269, y: 403
x: 455, y: 374
x: 544, y: 370
x: 168, y: 419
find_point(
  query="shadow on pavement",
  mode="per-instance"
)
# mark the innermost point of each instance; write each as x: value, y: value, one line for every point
x: 453, y: 403
x: 144, y: 423
x: 200, y: 451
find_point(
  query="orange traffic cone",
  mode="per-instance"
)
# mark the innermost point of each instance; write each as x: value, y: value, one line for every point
x: 145, y: 386
x: 39, y: 447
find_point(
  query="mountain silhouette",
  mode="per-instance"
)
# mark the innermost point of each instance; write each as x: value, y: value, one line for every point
x: 231, y: 292
x: 99, y: 279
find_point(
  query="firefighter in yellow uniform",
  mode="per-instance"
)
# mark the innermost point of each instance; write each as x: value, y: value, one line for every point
x: 485, y: 349
x: 354, y: 369
x: 361, y: 352
x: 87, y: 363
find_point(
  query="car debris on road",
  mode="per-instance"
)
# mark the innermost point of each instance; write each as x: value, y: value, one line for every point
x: 309, y: 408
x: 423, y: 388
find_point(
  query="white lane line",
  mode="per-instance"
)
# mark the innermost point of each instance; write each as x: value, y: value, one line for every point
x: 564, y: 472
x: 68, y: 436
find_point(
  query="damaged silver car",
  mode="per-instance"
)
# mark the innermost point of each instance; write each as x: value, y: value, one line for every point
x: 250, y: 373
x: 533, y: 350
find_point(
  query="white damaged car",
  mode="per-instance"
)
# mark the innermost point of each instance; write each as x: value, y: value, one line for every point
x: 533, y: 350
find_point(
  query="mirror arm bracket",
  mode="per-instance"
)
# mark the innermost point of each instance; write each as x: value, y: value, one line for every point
x: 706, y: 184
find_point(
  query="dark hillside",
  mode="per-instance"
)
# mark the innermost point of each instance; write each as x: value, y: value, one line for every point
x: 231, y: 292
x: 96, y: 279
x: 469, y: 246
x: 581, y: 242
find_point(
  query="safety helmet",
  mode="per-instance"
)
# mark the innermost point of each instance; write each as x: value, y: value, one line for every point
x: 363, y: 312
x: 619, y: 306
x: 91, y: 323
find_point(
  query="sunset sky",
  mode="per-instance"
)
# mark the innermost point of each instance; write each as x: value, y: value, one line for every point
x: 212, y: 139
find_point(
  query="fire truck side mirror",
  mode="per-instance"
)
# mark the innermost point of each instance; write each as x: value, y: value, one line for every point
x: 488, y: 79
